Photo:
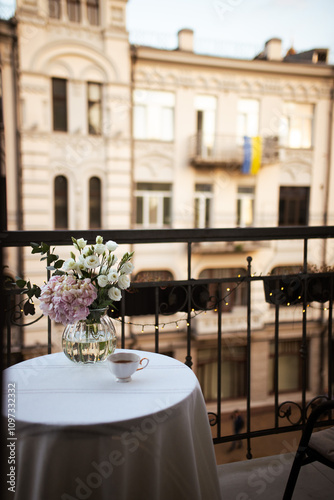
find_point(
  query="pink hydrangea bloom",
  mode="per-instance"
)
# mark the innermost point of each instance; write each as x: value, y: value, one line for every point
x: 66, y: 299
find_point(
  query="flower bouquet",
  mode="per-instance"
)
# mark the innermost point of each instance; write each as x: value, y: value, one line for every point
x: 79, y: 293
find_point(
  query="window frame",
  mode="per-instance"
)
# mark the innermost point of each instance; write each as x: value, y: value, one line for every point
x: 95, y: 203
x: 293, y: 210
x: 55, y: 9
x: 242, y: 199
x: 144, y: 198
x: 232, y: 293
x: 296, y: 362
x: 59, y: 106
x: 93, y: 12
x: 151, y: 116
x: 292, y: 113
x: 203, y: 205
x: 91, y: 104
x: 250, y: 119
x: 61, y: 206
x: 74, y: 11
x: 207, y: 371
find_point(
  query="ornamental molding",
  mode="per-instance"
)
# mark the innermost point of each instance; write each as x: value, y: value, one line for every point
x: 161, y: 77
x: 154, y: 166
x: 296, y: 171
x: 57, y: 52
x: 149, y: 147
x: 33, y: 89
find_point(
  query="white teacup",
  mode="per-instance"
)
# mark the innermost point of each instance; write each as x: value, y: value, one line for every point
x: 124, y: 364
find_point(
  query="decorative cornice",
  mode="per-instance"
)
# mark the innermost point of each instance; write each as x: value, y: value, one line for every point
x: 160, y: 76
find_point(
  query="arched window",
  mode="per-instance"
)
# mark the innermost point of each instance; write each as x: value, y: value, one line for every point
x: 234, y: 293
x: 95, y: 203
x: 61, y: 202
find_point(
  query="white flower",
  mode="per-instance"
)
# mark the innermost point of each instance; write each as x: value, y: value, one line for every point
x: 81, y: 243
x: 112, y: 276
x: 111, y: 245
x: 99, y: 240
x: 114, y: 293
x: 123, y: 281
x: 127, y: 268
x: 102, y: 280
x: 69, y: 265
x: 87, y: 251
x: 99, y: 248
x: 92, y: 261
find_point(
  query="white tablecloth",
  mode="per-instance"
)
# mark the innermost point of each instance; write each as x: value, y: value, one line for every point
x: 81, y: 435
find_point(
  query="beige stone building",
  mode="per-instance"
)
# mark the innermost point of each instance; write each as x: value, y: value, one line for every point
x: 116, y: 136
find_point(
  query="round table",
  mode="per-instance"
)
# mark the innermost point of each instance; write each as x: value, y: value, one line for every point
x: 79, y: 434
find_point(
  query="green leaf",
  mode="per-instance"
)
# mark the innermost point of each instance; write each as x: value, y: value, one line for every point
x: 21, y: 283
x: 45, y: 247
x: 51, y: 258
x: 59, y: 264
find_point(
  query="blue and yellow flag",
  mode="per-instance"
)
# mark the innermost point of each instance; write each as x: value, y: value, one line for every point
x: 252, y: 155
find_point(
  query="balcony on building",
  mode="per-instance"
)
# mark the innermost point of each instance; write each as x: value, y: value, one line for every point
x: 227, y: 151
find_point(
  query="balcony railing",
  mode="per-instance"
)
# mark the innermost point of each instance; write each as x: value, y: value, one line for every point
x: 179, y: 304
x: 227, y: 152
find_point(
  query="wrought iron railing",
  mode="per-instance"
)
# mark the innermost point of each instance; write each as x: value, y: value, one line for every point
x: 192, y: 296
x: 227, y: 151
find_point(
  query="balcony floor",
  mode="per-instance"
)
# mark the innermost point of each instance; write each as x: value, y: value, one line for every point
x: 265, y: 479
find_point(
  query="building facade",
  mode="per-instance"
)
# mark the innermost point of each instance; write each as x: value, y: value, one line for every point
x: 116, y: 136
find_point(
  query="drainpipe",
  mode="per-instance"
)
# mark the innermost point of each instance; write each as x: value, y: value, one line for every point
x: 328, y: 172
x: 325, y: 222
x: 133, y: 53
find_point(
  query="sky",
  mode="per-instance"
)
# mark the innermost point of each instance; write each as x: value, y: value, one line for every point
x: 238, y: 27
x: 232, y: 28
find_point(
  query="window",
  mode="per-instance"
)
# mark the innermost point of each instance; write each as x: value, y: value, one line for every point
x: 233, y: 372
x: 93, y: 13
x: 245, y: 206
x: 247, y: 119
x: 153, y: 115
x: 203, y: 201
x: 59, y: 101
x: 232, y: 293
x: 95, y: 203
x: 206, y: 124
x: 94, y: 108
x: 55, y: 9
x: 61, y: 202
x: 293, y: 206
x: 289, y: 366
x: 153, y: 204
x: 297, y: 125
x: 74, y: 10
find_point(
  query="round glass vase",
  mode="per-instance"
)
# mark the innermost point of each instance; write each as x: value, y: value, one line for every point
x: 90, y: 340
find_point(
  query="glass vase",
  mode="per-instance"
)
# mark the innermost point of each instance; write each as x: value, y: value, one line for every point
x: 90, y: 340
